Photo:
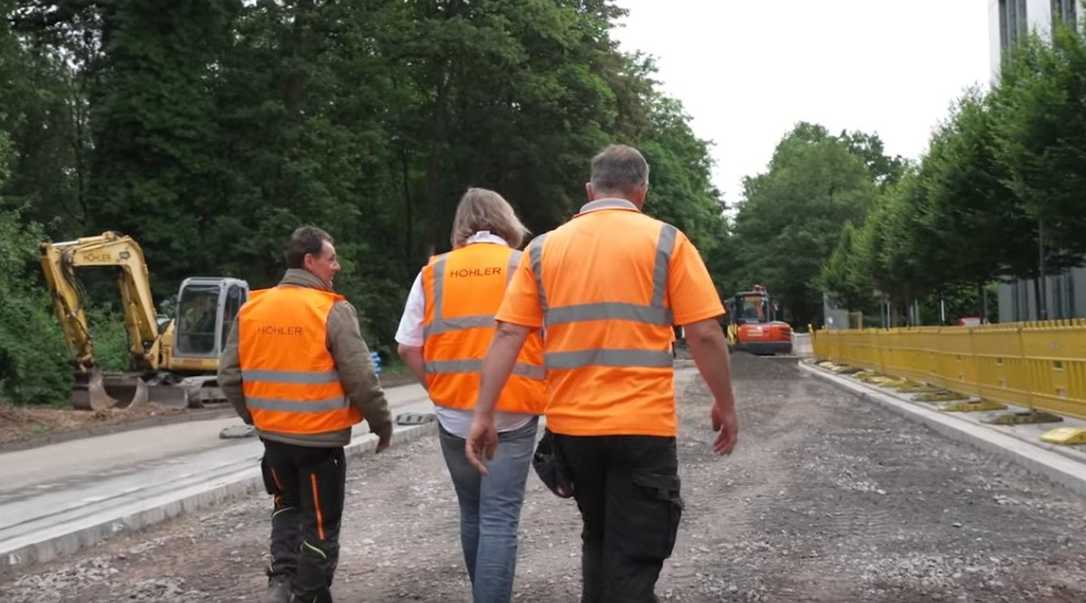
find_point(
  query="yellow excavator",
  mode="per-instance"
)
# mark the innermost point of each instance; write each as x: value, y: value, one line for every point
x: 171, y: 361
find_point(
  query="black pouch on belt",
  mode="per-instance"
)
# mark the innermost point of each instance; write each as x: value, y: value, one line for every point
x: 550, y: 468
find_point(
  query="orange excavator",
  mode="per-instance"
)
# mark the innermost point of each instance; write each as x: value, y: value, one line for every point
x: 753, y: 328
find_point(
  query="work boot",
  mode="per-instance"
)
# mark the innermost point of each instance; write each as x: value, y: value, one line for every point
x: 322, y: 597
x: 278, y: 590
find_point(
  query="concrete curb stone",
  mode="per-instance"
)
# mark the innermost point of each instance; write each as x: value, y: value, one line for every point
x: 69, y: 537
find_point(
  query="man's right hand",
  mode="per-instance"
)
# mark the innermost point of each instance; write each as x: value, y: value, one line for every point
x: 727, y: 424
x: 384, y: 435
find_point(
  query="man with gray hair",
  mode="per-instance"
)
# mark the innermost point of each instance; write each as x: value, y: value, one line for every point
x: 607, y: 287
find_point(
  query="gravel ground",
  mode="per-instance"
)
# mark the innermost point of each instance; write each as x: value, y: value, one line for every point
x: 827, y: 498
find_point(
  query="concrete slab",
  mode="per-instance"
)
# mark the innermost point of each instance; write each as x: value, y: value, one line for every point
x: 1019, y: 444
x: 57, y: 499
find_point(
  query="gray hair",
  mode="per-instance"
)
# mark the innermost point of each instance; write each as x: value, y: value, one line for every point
x: 482, y: 209
x: 619, y: 169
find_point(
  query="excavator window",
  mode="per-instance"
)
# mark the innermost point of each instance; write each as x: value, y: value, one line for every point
x: 752, y: 308
x: 197, y: 312
x: 235, y: 297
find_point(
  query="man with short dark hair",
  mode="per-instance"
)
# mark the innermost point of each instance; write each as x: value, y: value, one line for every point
x: 296, y: 368
x: 607, y: 287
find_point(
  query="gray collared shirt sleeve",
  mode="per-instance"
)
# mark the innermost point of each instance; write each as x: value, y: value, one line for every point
x: 354, y: 365
x: 230, y: 376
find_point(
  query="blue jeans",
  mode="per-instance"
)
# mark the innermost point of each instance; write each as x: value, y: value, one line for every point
x: 490, y: 509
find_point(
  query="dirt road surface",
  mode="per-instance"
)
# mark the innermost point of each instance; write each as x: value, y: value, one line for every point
x: 827, y: 498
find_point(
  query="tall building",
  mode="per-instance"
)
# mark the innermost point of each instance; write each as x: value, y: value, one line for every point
x: 1009, y: 21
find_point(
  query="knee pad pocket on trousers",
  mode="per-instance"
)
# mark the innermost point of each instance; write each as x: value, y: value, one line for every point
x: 660, y: 509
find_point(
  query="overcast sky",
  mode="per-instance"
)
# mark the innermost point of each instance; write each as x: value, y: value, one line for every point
x: 747, y: 70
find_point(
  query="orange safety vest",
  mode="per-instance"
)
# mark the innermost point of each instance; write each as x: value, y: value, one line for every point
x: 288, y: 375
x: 463, y: 289
x: 602, y: 282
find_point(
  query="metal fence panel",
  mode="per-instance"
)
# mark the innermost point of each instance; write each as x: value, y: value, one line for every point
x: 1039, y: 365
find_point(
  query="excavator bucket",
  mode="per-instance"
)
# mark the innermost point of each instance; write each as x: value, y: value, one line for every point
x: 172, y: 395
x: 98, y: 391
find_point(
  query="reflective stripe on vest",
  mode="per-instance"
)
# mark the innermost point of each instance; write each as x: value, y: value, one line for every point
x: 436, y: 367
x: 655, y: 313
x: 291, y: 376
x: 297, y: 405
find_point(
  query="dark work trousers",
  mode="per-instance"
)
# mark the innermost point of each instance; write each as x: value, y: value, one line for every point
x: 627, y: 488
x: 307, y: 485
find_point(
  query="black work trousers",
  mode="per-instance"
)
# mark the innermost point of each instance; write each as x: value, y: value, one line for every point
x: 627, y: 488
x: 307, y: 486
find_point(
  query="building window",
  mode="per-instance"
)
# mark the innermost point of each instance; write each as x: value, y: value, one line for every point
x: 1024, y: 295
x: 1013, y: 25
x: 1064, y: 10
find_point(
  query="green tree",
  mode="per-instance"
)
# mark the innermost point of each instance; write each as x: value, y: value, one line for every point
x: 50, y: 52
x: 843, y: 275
x: 1040, y: 140
x: 154, y: 129
x: 884, y: 169
x: 792, y: 216
x: 210, y: 130
x: 1040, y: 135
x: 971, y: 205
x: 681, y: 190
x: 33, y: 359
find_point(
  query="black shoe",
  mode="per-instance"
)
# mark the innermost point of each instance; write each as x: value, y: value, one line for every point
x: 278, y: 590
x: 324, y: 596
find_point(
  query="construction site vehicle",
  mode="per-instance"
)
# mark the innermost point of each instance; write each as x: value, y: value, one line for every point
x: 171, y: 361
x: 752, y: 327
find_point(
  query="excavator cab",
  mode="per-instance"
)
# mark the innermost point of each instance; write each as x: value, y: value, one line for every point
x: 206, y: 309
x: 751, y: 307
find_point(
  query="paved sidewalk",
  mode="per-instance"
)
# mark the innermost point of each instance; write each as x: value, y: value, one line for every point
x: 56, y: 499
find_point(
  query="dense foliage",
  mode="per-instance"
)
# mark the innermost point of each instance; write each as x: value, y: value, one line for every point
x: 999, y: 194
x: 209, y: 129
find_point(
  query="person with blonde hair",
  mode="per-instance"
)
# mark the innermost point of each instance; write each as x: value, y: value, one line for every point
x: 444, y: 334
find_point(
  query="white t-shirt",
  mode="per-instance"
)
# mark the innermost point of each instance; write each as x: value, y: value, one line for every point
x: 409, y: 333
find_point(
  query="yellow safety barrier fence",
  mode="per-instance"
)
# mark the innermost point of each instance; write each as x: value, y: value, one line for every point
x: 1040, y: 365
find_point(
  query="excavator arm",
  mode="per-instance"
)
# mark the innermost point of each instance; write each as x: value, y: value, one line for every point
x: 59, y: 262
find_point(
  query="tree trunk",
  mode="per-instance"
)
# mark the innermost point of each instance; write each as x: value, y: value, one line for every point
x: 409, y: 218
